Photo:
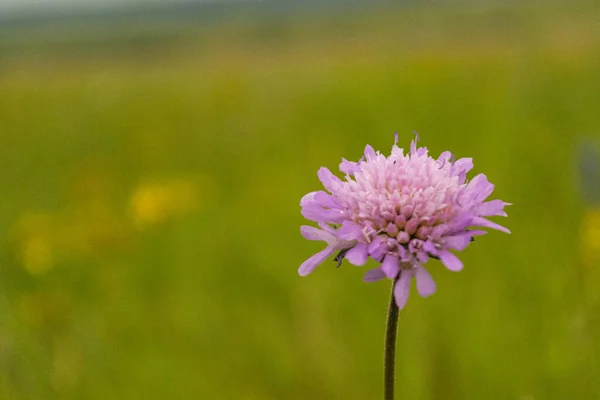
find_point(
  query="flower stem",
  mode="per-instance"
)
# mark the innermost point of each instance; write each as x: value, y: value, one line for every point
x: 389, y: 373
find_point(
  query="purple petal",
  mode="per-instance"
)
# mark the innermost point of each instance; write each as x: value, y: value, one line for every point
x: 461, y: 167
x: 443, y: 159
x: 327, y: 228
x: 401, y: 251
x: 425, y: 284
x: 479, y: 221
x: 413, y: 147
x: 377, y: 248
x: 350, y: 231
x: 314, y: 212
x: 309, y: 265
x: 390, y: 266
x: 450, y: 260
x: 491, y: 208
x: 369, y: 153
x: 329, y: 180
x: 402, y: 288
x: 460, y: 241
x: 480, y: 188
x: 397, y: 152
x: 422, y: 256
x: 310, y: 209
x: 459, y: 223
x: 326, y: 200
x: 348, y: 167
x: 374, y: 275
x: 312, y: 233
x: 321, y: 207
x: 464, y: 164
x: 429, y: 246
x: 357, y: 255
x: 308, y: 198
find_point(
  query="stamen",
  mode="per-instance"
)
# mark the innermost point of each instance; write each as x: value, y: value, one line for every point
x: 417, y: 137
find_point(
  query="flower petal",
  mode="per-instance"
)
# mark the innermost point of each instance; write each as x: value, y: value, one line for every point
x: 312, y: 233
x: 309, y: 265
x: 321, y: 207
x: 464, y: 164
x: 397, y: 152
x: 357, y: 255
x: 451, y: 262
x: 348, y: 167
x: 443, y: 159
x: 492, y: 208
x: 479, y: 188
x: 329, y: 180
x: 402, y: 288
x: 429, y: 246
x: 374, y: 275
x: 350, y: 231
x: 461, y: 167
x: 315, y: 212
x: 326, y: 200
x: 390, y: 266
x: 413, y: 147
x: 377, y: 248
x: 479, y: 221
x: 307, y: 199
x: 459, y: 241
x: 369, y: 153
x: 425, y: 284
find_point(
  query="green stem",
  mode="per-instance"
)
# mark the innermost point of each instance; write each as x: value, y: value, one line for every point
x: 389, y: 373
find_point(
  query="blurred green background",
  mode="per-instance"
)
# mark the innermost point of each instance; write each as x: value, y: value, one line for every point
x: 151, y: 173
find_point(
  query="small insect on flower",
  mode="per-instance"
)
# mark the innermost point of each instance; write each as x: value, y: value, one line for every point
x: 400, y: 210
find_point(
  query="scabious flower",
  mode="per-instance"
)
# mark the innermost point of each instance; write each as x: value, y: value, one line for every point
x: 400, y: 210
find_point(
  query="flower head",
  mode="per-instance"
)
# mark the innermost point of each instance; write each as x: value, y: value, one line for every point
x: 400, y: 210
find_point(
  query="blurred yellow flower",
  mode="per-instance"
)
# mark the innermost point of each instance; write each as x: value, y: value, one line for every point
x: 90, y: 230
x: 35, y: 246
x: 37, y: 255
x: 154, y: 203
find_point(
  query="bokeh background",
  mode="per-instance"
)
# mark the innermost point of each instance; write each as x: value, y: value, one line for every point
x: 151, y: 164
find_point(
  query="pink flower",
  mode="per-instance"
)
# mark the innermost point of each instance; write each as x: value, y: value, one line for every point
x: 400, y: 210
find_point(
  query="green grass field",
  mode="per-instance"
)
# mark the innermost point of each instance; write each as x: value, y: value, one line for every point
x: 150, y: 211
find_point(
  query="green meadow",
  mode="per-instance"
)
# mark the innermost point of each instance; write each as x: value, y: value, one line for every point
x: 150, y: 206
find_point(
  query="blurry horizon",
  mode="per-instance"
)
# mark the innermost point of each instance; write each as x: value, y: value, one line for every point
x: 26, y: 7
x: 31, y: 5
x: 24, y: 10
